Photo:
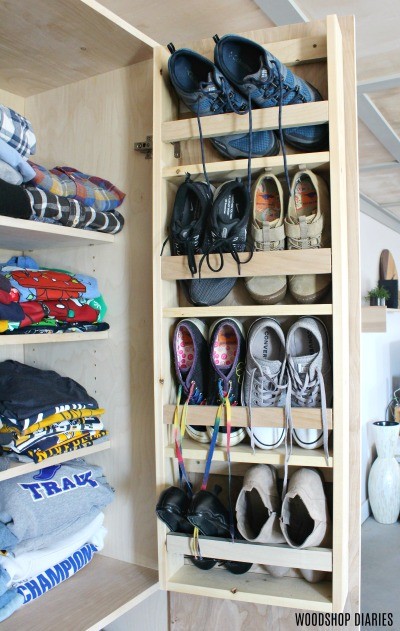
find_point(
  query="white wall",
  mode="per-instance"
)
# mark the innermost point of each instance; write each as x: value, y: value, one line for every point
x: 380, y: 352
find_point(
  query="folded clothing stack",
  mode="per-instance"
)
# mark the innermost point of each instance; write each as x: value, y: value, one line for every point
x: 43, y: 414
x: 51, y: 524
x: 40, y: 300
x: 63, y: 195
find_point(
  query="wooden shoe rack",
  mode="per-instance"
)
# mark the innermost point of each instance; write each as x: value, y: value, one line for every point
x: 315, y: 50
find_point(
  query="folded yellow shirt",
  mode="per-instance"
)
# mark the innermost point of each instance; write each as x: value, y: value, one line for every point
x: 69, y: 415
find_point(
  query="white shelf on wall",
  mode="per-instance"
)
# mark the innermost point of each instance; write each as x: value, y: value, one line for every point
x: 88, y: 601
x: 373, y: 319
x: 20, y: 468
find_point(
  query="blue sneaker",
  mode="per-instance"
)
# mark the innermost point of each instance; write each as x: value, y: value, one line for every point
x: 260, y: 75
x: 205, y: 91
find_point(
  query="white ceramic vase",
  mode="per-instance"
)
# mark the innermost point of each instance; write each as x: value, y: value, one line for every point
x: 384, y: 477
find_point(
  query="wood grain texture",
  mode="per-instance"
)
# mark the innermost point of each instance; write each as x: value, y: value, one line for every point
x: 225, y: 124
x: 238, y: 168
x: 261, y: 417
x: 22, y: 234
x: 187, y: 613
x: 373, y: 319
x: 250, y: 587
x: 88, y: 601
x: 264, y: 554
x: 20, y: 468
x: 35, y: 50
x: 14, y: 101
x: 173, y: 21
x: 300, y: 457
x: 53, y: 338
x: 261, y: 264
x: 249, y: 311
x: 340, y: 319
x: 107, y: 113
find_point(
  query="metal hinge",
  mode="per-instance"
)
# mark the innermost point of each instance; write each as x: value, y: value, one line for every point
x: 145, y: 147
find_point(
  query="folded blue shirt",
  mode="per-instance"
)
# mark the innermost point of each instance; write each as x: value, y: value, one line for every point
x: 14, y: 159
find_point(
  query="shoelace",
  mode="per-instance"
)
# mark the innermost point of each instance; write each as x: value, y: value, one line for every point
x: 179, y: 428
x: 225, y: 403
x: 188, y: 244
x: 268, y: 392
x: 306, y: 393
x: 276, y: 91
x: 225, y: 97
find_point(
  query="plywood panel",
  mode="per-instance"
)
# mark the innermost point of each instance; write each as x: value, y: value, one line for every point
x: 382, y: 185
x: 378, y: 44
x: 181, y: 21
x: 89, y: 600
x: 92, y: 125
x: 14, y: 101
x: 192, y: 612
x: 49, y: 43
x: 370, y: 149
x: 387, y: 102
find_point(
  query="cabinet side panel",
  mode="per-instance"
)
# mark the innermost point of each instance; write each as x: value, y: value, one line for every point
x: 92, y: 125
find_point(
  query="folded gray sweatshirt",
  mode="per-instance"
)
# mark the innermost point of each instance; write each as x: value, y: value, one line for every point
x: 39, y: 506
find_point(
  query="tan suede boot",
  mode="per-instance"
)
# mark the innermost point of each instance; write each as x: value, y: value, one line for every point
x: 305, y: 520
x: 307, y: 225
x: 269, y: 234
x: 257, y: 510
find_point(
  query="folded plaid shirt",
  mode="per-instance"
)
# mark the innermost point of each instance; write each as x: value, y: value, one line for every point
x: 88, y: 189
x: 70, y: 212
x: 17, y: 131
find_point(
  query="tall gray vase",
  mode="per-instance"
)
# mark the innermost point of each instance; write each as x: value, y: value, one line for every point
x: 384, y: 477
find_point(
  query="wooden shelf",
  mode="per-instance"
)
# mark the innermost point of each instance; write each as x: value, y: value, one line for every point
x: 51, y: 338
x: 23, y: 234
x: 303, y: 418
x: 373, y: 319
x: 252, y: 587
x: 247, y: 311
x: 225, y: 124
x: 275, y: 263
x: 90, y: 600
x: 264, y: 554
x: 92, y: 38
x: 229, y: 169
x: 255, y: 311
x: 300, y: 457
x: 20, y: 468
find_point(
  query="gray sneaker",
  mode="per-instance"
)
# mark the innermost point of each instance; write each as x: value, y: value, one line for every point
x: 305, y: 520
x: 258, y: 509
x: 268, y: 233
x: 309, y: 371
x: 264, y: 380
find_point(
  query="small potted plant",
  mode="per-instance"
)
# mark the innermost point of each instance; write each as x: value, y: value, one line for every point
x: 377, y: 296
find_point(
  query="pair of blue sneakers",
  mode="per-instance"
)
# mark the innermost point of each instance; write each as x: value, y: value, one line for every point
x: 244, y: 75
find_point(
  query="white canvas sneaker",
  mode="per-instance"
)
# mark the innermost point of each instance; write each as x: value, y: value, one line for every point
x: 268, y: 232
x: 307, y: 225
x: 305, y: 520
x: 258, y: 509
x: 264, y: 379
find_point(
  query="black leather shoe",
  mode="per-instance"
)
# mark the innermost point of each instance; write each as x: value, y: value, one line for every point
x: 211, y: 517
x: 172, y: 507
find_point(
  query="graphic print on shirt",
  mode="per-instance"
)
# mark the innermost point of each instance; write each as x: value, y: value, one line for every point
x: 43, y: 490
x: 47, y: 473
x: 48, y: 284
